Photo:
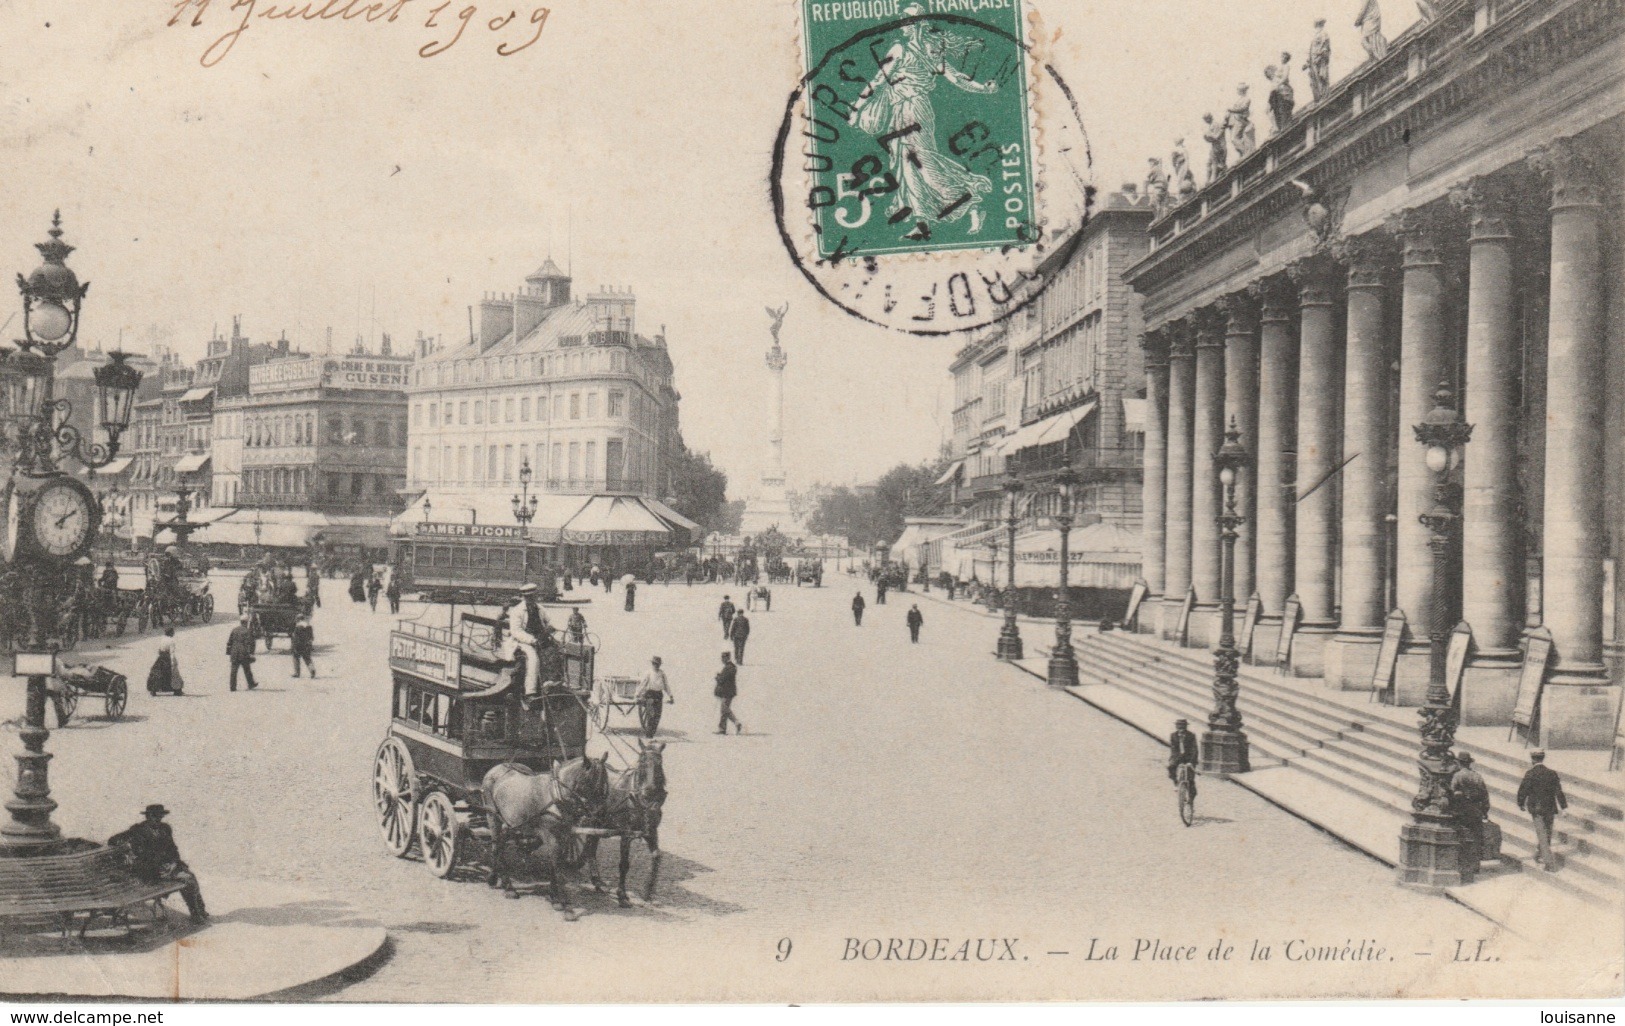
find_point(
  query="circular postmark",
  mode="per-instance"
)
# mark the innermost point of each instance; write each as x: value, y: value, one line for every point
x: 931, y: 175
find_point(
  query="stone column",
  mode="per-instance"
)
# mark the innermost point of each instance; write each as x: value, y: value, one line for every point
x: 1241, y: 405
x: 1577, y: 709
x: 1492, y: 527
x: 1207, y: 436
x: 1277, y: 439
x: 1154, y: 497
x: 1181, y: 414
x: 1423, y: 364
x: 1351, y: 660
x: 1320, y: 446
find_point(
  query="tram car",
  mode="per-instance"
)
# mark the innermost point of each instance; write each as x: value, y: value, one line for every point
x: 472, y: 564
x: 456, y: 713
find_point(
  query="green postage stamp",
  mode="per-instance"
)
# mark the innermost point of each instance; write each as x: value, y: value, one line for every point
x: 920, y: 137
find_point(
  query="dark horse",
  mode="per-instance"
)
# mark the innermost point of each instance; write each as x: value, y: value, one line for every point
x: 543, y: 809
x: 633, y: 809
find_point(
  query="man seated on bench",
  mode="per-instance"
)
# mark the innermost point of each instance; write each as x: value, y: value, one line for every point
x: 154, y: 857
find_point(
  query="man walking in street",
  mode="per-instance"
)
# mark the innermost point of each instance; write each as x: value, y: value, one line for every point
x: 656, y: 693
x: 1470, y: 798
x: 631, y: 595
x: 727, y: 690
x: 240, y: 648
x: 916, y: 620
x: 1541, y: 795
x: 392, y: 591
x: 150, y: 845
x: 880, y: 592
x: 857, y: 609
x: 739, y: 633
x: 725, y: 613
x: 374, y: 586
x: 303, y: 641
x: 1182, y: 749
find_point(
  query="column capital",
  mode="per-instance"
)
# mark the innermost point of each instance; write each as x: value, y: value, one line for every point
x: 1154, y: 343
x: 1181, y: 339
x: 1418, y: 231
x: 1487, y: 202
x: 1241, y: 312
x: 1571, y: 167
x: 1276, y: 296
x: 1315, y: 277
x: 1209, y: 325
x: 1367, y: 256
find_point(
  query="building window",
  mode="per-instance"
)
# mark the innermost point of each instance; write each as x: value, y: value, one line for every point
x: 445, y: 464
x: 507, y: 411
x: 558, y: 459
x: 479, y: 462
x: 434, y: 408
x: 592, y: 405
x: 462, y: 412
x: 479, y: 411
x: 575, y: 460
x: 575, y: 406
x: 491, y: 464
x: 417, y: 413
x: 589, y: 466
x: 524, y: 409
x: 617, y: 404
x: 358, y: 429
x: 558, y: 406
x: 507, y: 463
x: 462, y: 463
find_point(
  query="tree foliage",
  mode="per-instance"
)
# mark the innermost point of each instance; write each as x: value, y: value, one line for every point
x: 872, y: 514
x: 701, y: 493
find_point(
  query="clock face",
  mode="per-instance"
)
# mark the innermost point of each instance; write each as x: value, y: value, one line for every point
x: 62, y: 521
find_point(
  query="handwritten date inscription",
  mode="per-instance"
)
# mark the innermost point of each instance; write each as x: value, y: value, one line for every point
x: 444, y: 22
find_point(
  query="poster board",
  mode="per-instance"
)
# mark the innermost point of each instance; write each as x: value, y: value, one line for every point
x: 1183, y: 630
x: 1290, y: 614
x: 1393, y: 637
x: 1249, y: 622
x: 1135, y: 598
x: 1535, y: 656
x: 1455, y: 660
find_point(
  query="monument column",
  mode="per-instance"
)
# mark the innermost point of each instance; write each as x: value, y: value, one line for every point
x: 1351, y: 660
x: 1423, y: 364
x: 1492, y: 528
x: 1578, y: 706
x: 1207, y: 436
x: 1320, y: 446
x: 1277, y: 440
x: 1181, y: 412
x: 1154, y: 494
x: 1241, y: 405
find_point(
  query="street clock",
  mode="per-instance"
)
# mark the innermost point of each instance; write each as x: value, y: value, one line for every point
x: 55, y: 518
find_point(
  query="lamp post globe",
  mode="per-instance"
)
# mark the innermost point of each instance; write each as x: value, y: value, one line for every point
x: 1432, y: 852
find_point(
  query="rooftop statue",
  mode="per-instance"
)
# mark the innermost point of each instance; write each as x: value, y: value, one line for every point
x: 1218, y: 154
x: 1370, y: 24
x: 1319, y: 64
x: 1239, y: 119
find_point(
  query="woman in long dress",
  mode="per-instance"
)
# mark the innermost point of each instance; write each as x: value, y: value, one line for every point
x: 165, y: 675
x: 932, y: 184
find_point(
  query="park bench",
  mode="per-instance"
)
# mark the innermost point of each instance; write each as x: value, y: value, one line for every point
x: 89, y: 880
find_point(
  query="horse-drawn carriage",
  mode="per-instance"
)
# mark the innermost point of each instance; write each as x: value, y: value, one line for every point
x: 176, y: 594
x: 458, y: 713
x: 273, y: 620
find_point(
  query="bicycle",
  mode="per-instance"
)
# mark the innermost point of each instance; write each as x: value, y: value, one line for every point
x: 1185, y: 783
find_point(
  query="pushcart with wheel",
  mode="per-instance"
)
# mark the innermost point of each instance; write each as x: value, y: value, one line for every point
x: 79, y: 681
x: 625, y: 695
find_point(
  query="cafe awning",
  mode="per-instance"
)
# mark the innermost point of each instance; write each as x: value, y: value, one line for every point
x: 952, y: 472
x: 116, y: 467
x: 191, y: 464
x: 665, y: 512
x: 196, y: 394
x: 1134, y: 415
x: 615, y: 520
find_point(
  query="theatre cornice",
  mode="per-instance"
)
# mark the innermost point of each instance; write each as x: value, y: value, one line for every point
x: 1474, y: 54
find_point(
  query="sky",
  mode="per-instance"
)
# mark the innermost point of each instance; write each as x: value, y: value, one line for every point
x: 324, y: 174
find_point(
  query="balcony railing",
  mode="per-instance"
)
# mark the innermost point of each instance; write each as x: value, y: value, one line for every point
x: 1089, y: 464
x: 593, y: 485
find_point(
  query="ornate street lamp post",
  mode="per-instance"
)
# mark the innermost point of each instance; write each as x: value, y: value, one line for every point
x: 1224, y: 744
x: 39, y: 548
x: 427, y: 506
x: 1430, y: 845
x: 1063, y: 662
x: 1010, y: 634
x: 524, y: 504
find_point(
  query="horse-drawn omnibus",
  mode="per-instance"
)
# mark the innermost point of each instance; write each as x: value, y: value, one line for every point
x: 471, y: 564
x: 457, y: 713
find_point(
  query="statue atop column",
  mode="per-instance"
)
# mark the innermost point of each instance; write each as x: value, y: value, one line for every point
x: 1156, y: 185
x: 1239, y: 119
x: 1183, y: 180
x: 1218, y: 154
x: 1281, y: 100
x: 775, y: 356
x: 1370, y: 25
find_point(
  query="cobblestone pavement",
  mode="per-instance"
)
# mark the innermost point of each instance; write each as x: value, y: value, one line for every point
x: 881, y: 790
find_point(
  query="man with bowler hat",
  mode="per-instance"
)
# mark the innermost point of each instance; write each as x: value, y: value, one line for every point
x: 150, y: 845
x: 1541, y: 795
x: 1470, y: 798
x: 240, y: 648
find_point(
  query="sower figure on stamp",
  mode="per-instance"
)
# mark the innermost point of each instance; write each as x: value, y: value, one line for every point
x: 1182, y: 750
x: 154, y: 857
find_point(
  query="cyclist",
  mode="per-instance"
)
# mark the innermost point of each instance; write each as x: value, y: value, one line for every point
x: 1182, y: 751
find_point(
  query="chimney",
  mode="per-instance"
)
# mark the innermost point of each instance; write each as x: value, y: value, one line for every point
x: 496, y: 318
x: 530, y: 306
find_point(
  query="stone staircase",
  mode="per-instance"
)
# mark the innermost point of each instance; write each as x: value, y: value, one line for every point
x: 1362, y: 753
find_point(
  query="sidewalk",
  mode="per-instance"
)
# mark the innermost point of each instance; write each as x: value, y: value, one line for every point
x: 263, y: 940
x: 1506, y: 895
